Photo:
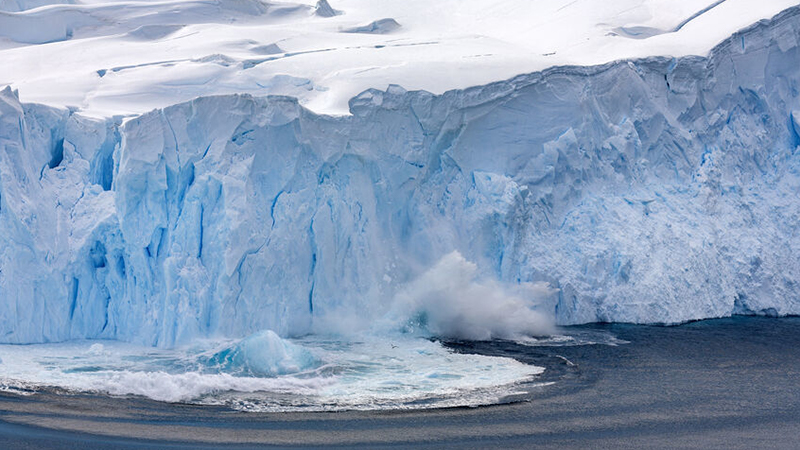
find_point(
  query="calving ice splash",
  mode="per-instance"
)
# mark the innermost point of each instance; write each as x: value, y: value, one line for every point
x: 311, y: 374
x: 393, y: 368
x: 353, y: 364
x: 449, y: 301
x: 248, y: 215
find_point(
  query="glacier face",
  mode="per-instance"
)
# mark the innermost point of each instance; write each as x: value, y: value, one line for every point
x: 656, y: 190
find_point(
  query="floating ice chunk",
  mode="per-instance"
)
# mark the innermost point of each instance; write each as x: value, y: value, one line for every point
x: 263, y: 354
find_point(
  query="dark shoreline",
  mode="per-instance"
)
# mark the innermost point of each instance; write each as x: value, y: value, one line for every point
x: 726, y: 383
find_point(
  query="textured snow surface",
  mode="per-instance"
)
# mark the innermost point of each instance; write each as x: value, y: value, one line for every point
x: 108, y: 57
x: 650, y: 190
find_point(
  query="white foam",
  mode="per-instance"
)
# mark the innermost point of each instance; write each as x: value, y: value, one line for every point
x: 451, y: 300
x: 370, y: 373
x: 189, y: 386
x: 571, y: 338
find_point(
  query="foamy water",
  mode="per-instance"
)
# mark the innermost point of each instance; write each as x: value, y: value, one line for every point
x: 368, y: 373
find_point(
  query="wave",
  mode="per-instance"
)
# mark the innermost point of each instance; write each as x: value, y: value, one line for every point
x: 373, y: 372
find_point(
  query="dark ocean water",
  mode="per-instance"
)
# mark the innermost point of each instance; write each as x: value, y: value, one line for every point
x: 727, y: 383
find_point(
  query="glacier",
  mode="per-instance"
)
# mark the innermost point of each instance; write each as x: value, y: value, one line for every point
x: 655, y: 190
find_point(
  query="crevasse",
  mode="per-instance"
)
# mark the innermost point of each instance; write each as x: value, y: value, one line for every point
x: 656, y: 190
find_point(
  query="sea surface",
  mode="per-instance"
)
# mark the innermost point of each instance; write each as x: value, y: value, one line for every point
x: 726, y: 383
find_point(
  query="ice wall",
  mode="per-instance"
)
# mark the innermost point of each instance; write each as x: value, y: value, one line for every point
x: 657, y: 190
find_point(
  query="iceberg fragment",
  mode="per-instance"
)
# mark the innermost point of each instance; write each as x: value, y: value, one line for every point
x: 263, y: 354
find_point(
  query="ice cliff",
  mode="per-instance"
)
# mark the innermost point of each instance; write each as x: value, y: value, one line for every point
x: 655, y: 190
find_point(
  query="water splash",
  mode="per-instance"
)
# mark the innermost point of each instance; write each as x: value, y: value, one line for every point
x: 450, y: 300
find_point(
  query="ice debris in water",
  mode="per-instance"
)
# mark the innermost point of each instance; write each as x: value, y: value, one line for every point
x: 263, y: 354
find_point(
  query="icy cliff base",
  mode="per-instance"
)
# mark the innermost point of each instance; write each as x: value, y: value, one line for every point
x: 657, y: 190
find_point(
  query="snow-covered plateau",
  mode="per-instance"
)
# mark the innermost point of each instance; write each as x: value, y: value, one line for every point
x: 649, y: 189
